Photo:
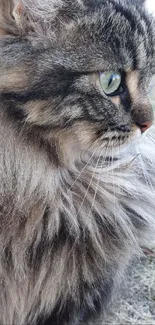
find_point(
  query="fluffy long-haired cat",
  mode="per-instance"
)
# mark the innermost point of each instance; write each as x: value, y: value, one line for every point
x: 77, y: 181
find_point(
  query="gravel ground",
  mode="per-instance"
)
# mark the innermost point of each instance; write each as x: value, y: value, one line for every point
x: 136, y: 306
x: 136, y: 303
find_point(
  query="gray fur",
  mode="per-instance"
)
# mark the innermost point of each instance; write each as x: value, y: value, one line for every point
x: 77, y: 190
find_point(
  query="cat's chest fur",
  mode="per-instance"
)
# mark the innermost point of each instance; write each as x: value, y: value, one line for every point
x: 67, y: 234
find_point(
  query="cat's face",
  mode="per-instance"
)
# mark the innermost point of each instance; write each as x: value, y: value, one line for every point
x: 77, y: 71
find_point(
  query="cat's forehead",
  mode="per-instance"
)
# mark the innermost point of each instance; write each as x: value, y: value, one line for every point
x: 83, y: 35
x: 107, y: 39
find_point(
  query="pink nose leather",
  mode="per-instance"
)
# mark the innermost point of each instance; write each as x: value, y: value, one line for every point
x: 144, y: 126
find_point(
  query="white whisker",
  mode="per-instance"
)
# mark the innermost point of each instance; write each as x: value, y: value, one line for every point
x: 83, y: 169
x: 98, y: 182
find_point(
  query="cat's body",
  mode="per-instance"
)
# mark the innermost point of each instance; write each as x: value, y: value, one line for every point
x: 74, y: 203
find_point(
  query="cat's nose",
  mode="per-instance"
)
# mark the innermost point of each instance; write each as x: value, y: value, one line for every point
x: 144, y: 126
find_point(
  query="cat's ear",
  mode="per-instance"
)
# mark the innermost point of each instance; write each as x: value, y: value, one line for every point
x: 11, y: 17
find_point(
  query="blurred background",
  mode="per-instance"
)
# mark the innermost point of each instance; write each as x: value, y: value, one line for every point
x: 152, y: 91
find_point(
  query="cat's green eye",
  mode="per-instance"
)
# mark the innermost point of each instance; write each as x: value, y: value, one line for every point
x: 110, y: 82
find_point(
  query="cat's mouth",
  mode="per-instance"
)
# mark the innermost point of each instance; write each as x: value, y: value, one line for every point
x: 100, y: 142
x: 113, y: 147
x: 115, y: 138
x: 111, y: 143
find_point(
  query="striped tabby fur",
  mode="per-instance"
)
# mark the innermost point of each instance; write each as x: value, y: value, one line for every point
x: 77, y: 181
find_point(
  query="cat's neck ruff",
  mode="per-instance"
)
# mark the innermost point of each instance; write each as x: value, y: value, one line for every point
x: 115, y: 189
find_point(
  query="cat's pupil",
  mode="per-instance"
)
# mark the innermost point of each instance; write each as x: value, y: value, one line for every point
x: 112, y: 78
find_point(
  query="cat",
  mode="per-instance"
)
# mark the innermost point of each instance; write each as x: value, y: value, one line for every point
x: 77, y: 155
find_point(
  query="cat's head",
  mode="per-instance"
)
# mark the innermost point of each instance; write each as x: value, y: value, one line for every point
x: 77, y: 70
